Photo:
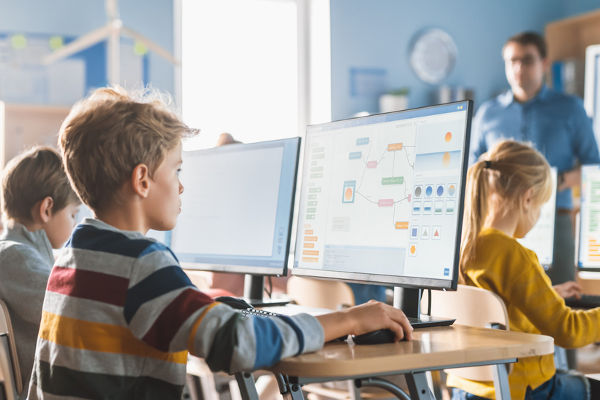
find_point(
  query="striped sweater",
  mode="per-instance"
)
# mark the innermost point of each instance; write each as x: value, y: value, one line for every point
x: 120, y: 316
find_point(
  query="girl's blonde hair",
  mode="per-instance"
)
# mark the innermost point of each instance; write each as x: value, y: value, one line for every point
x: 508, y: 170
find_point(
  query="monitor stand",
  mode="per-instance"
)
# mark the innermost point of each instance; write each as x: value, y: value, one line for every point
x: 409, y: 301
x: 254, y: 287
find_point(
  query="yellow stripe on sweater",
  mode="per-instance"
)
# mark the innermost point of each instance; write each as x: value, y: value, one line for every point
x: 100, y: 337
x: 196, y: 325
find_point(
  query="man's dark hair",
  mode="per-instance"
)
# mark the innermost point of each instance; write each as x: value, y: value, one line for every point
x: 527, y: 38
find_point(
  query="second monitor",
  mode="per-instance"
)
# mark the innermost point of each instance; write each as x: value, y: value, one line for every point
x: 588, y: 255
x: 540, y: 238
x: 237, y: 210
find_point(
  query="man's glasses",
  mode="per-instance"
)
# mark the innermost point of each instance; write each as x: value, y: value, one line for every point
x: 527, y: 61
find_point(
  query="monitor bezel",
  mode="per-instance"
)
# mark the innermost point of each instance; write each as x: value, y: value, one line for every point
x: 580, y: 228
x: 281, y: 270
x: 404, y: 281
x: 592, y: 74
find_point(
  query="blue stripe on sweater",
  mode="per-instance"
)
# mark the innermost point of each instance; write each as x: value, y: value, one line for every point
x: 268, y: 342
x: 158, y: 283
x: 296, y: 329
x: 91, y: 238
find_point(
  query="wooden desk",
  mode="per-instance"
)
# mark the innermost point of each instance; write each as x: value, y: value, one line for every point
x: 432, y: 349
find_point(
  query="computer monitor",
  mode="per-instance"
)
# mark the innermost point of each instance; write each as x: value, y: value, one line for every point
x: 540, y: 238
x: 382, y: 198
x: 237, y: 209
x: 591, y: 99
x: 588, y: 254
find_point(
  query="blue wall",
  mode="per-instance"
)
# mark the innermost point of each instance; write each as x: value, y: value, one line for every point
x: 71, y: 18
x: 378, y: 34
x: 574, y: 7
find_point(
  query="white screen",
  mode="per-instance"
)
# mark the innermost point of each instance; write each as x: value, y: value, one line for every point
x: 236, y: 207
x: 589, y: 236
x: 231, y: 210
x: 380, y: 195
x: 540, y: 238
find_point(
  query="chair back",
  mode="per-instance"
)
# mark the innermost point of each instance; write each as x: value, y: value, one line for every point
x: 9, y: 363
x: 320, y: 293
x: 470, y: 306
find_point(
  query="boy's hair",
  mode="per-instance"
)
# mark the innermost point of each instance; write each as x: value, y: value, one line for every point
x: 32, y: 176
x: 527, y: 38
x: 508, y: 170
x: 106, y: 135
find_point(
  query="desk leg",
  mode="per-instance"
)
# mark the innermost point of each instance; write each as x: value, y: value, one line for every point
x: 353, y: 390
x: 418, y: 386
x: 501, y: 382
x: 247, y: 388
x: 289, y: 391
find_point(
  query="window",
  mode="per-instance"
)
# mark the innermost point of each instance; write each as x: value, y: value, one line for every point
x: 246, y: 67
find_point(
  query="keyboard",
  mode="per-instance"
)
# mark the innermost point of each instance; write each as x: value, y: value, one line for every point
x: 586, y: 301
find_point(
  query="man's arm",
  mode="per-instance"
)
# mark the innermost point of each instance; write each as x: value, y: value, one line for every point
x: 477, y: 145
x: 569, y: 179
x: 584, y: 141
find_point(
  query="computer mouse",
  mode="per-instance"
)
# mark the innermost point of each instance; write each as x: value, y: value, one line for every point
x: 234, y: 302
x: 375, y: 337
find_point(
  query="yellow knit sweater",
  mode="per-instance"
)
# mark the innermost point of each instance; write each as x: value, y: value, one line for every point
x: 513, y: 272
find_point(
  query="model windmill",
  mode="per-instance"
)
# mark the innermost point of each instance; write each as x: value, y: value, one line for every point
x: 111, y: 32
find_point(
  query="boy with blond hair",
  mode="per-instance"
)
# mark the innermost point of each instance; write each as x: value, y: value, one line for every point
x: 120, y: 314
x: 39, y: 210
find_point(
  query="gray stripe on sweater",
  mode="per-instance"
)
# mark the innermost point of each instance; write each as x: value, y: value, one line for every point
x: 110, y: 363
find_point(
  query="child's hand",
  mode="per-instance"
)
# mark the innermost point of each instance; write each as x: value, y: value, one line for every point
x: 375, y: 315
x: 568, y: 289
x: 366, y: 318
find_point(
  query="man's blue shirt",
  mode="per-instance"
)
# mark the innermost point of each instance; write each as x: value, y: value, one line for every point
x: 555, y: 123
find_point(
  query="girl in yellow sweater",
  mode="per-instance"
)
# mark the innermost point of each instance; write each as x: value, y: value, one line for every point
x: 505, y: 191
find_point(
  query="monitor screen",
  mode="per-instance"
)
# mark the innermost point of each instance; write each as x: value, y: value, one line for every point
x: 237, y: 207
x: 592, y: 86
x: 588, y: 257
x: 382, y: 197
x: 540, y: 238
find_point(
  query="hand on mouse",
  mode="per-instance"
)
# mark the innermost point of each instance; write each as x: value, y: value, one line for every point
x: 366, y: 318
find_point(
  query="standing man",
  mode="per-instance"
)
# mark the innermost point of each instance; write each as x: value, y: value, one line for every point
x: 555, y: 123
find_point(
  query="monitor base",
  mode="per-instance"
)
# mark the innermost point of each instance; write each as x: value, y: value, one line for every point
x: 426, y: 321
x: 268, y: 302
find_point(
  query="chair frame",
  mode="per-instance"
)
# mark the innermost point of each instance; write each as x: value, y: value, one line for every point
x: 472, y: 306
x: 9, y: 362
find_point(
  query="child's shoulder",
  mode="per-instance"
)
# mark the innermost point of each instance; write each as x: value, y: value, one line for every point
x: 103, y: 238
x: 22, y: 258
x: 13, y: 248
x: 494, y: 241
x: 100, y: 247
x: 496, y: 237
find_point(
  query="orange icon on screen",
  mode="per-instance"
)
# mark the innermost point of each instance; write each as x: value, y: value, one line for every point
x: 348, y: 194
x: 413, y: 249
x: 446, y: 159
x: 448, y: 136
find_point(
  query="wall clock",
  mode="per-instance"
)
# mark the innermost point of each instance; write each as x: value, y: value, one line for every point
x: 433, y: 55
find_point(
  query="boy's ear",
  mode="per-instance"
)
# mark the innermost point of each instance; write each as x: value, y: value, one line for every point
x: 42, y: 210
x: 140, y: 180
